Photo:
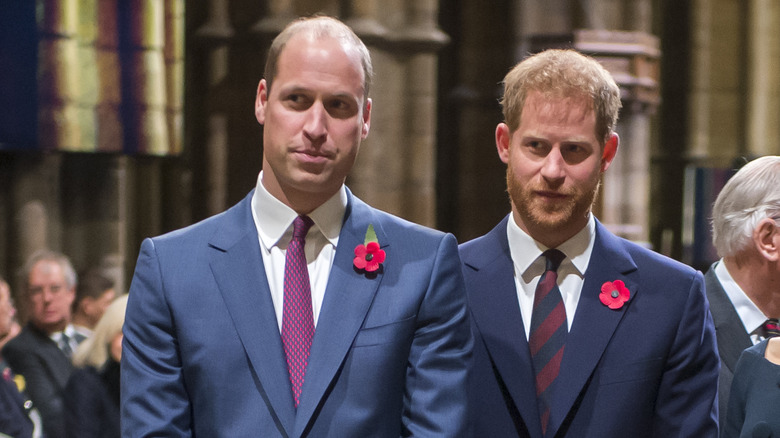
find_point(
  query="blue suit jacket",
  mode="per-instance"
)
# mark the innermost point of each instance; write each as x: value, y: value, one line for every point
x: 648, y: 369
x: 203, y: 356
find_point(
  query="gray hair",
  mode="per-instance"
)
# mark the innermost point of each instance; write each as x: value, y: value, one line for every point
x: 49, y: 256
x: 750, y: 196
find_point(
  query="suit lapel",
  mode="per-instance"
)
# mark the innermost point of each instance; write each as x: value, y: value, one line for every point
x: 730, y: 332
x: 58, y: 364
x: 594, y: 323
x: 239, y: 272
x: 496, y: 312
x: 348, y: 298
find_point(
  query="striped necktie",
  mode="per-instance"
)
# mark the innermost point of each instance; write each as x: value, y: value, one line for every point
x: 769, y: 329
x: 65, y: 345
x: 548, y: 332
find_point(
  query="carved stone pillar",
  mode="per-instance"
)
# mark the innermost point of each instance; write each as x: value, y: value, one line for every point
x: 147, y: 100
x: 716, y: 105
x: 59, y: 87
x: 396, y: 167
x: 472, y: 182
x: 173, y: 53
x: 763, y: 83
x: 213, y: 39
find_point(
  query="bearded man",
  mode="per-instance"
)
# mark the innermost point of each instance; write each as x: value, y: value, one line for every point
x: 578, y: 333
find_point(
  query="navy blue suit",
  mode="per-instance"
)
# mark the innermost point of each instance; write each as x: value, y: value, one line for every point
x: 14, y: 421
x: 648, y: 369
x: 202, y: 353
x: 92, y: 402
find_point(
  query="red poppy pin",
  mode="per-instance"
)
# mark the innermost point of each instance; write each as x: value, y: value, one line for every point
x: 368, y: 255
x: 614, y: 294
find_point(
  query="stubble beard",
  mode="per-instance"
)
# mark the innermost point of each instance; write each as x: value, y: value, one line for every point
x: 550, y: 217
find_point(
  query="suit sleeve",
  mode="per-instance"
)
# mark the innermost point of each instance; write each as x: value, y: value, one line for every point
x: 687, y: 403
x: 154, y: 400
x: 440, y: 356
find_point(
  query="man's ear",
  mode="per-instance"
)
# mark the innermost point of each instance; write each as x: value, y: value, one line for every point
x: 366, y: 119
x: 503, y: 140
x: 610, y: 150
x: 260, y: 100
x: 766, y: 238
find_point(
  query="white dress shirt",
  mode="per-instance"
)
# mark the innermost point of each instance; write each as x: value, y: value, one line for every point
x: 273, y: 220
x: 529, y: 266
x: 752, y: 318
x: 70, y: 331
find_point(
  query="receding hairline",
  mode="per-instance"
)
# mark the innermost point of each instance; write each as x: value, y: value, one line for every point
x: 314, y: 28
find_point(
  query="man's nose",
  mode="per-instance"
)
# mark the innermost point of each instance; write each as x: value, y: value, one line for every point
x: 554, y: 165
x: 316, y: 125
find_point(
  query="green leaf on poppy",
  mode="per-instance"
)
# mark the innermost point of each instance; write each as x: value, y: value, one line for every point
x: 370, y: 235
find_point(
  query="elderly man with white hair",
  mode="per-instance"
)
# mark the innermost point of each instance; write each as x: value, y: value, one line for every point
x: 743, y: 287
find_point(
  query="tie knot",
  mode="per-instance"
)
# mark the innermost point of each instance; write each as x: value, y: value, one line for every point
x: 771, y: 328
x: 301, y: 226
x: 553, y: 259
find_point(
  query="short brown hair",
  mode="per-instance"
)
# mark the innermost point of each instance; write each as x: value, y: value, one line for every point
x: 562, y: 73
x: 319, y: 27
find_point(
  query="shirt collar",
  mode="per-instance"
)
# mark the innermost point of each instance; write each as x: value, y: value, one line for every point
x: 748, y: 312
x: 526, y: 251
x: 69, y: 330
x: 274, y: 218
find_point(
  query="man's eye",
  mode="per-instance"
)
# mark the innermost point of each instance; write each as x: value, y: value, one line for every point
x: 297, y: 100
x: 574, y: 153
x: 341, y: 109
x: 537, y: 147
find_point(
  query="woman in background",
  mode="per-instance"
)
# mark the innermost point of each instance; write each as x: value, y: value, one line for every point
x: 755, y: 393
x: 92, y: 393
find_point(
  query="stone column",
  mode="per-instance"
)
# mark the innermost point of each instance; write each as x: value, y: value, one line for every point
x: 716, y: 108
x: 763, y: 82
x: 213, y: 39
x: 108, y: 113
x: 396, y: 168
x: 173, y: 53
x: 59, y: 87
x: 147, y: 101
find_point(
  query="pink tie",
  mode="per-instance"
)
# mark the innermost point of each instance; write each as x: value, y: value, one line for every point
x: 297, y: 315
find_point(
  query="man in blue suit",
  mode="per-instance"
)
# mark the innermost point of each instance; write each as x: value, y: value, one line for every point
x: 218, y: 334
x: 614, y: 340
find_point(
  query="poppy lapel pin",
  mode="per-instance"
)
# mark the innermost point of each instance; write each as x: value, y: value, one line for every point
x: 368, y: 255
x: 614, y: 294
